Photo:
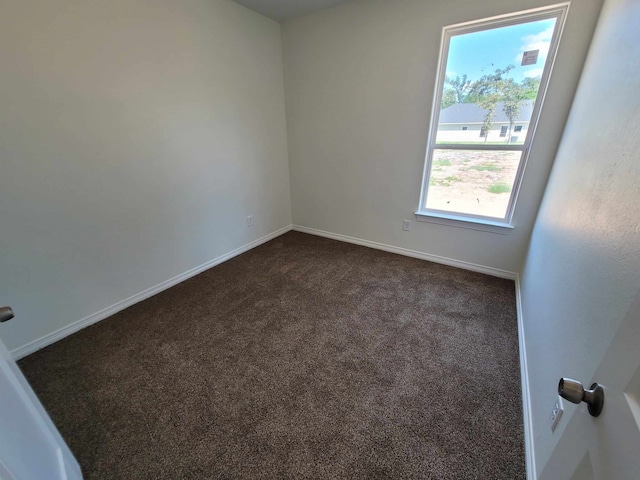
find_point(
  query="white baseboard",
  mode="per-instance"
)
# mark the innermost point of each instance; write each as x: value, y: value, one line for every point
x: 495, y: 272
x: 529, y: 451
x: 50, y: 338
x: 63, y: 332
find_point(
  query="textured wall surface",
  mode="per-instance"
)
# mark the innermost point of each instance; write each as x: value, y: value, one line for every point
x: 583, y: 267
x: 359, y: 84
x: 135, y: 138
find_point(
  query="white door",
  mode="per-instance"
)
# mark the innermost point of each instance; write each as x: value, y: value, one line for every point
x: 583, y: 268
x: 607, y: 447
x: 30, y: 446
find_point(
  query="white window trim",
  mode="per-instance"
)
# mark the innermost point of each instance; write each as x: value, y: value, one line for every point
x: 476, y: 222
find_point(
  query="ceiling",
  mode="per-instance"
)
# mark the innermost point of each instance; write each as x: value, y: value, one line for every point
x: 281, y: 10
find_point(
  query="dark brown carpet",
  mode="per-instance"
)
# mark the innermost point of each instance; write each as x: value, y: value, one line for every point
x: 303, y: 358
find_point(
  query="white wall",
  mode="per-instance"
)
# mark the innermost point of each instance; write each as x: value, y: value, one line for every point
x: 583, y: 266
x: 359, y: 85
x: 452, y: 132
x: 135, y: 137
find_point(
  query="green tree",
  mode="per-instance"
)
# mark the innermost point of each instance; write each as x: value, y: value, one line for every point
x: 531, y: 87
x: 461, y: 87
x: 512, y: 95
x: 487, y: 92
x: 448, y: 98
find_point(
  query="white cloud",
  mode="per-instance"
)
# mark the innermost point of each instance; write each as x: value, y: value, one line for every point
x: 539, y: 41
x: 534, y: 72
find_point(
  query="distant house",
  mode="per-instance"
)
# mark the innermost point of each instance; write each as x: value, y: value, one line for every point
x: 462, y: 122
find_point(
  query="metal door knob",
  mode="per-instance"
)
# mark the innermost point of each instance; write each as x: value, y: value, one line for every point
x: 5, y: 314
x: 573, y: 391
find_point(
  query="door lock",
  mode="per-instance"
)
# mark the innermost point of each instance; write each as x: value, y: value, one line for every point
x: 5, y: 314
x: 573, y: 391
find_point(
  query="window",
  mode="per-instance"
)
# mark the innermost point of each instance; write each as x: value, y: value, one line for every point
x: 493, y: 73
x: 465, y: 128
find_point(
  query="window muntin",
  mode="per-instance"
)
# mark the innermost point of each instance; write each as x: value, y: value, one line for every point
x: 475, y: 172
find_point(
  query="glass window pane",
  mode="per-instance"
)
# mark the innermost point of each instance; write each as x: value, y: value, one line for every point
x: 472, y: 182
x: 491, y: 84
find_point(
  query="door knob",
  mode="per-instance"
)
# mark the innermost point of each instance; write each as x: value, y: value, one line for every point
x: 5, y: 314
x: 573, y: 391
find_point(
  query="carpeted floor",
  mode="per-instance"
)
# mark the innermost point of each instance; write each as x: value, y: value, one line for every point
x: 303, y: 358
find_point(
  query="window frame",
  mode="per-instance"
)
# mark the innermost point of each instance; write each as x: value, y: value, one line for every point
x: 480, y: 222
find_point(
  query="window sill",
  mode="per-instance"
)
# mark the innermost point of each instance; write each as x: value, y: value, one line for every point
x: 453, y: 220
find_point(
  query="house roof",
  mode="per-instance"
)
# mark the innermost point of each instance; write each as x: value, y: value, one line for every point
x: 472, y: 113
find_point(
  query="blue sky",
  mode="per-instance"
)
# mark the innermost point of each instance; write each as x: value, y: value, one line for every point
x: 479, y: 53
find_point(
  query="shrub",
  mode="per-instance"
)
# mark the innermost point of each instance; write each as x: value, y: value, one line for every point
x: 487, y: 168
x: 499, y: 188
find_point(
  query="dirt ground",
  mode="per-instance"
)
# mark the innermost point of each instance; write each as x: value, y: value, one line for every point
x: 474, y: 182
